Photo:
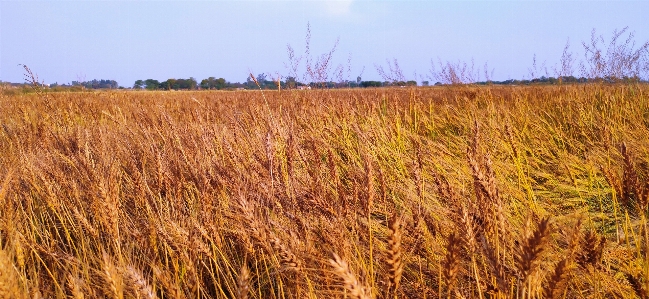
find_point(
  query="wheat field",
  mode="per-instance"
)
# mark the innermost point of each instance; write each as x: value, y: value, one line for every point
x: 441, y: 192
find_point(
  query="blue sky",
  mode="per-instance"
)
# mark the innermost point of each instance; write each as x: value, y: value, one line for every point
x: 64, y: 41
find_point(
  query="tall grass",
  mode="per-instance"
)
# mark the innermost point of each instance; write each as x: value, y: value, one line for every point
x: 450, y: 192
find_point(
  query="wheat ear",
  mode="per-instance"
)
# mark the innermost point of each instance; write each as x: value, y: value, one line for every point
x: 451, y: 264
x: 113, y: 277
x: 243, y: 282
x: 76, y: 286
x: 8, y: 277
x: 355, y: 288
x: 558, y: 281
x: 287, y: 259
x: 142, y: 287
x: 528, y: 258
x: 592, y: 248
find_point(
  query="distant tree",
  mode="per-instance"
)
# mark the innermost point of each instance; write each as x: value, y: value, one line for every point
x: 291, y: 82
x: 151, y: 84
x: 139, y: 84
x: 96, y: 84
x: 370, y: 84
x: 220, y: 83
x: 213, y: 83
x: 176, y: 84
x: 191, y: 83
x: 168, y: 84
x: 179, y: 84
x: 207, y: 83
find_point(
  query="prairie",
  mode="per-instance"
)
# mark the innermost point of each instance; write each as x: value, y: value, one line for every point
x: 440, y: 192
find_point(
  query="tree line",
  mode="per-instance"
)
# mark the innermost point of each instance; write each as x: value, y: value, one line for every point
x: 261, y: 81
x: 211, y: 83
x: 92, y: 84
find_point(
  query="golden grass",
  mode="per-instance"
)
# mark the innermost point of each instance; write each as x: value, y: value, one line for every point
x: 449, y: 192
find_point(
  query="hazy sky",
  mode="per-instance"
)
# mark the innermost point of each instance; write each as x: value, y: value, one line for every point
x: 64, y: 41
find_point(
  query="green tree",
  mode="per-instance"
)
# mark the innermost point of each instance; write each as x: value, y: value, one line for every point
x: 291, y: 82
x: 139, y: 84
x: 207, y: 83
x: 213, y: 83
x: 151, y: 84
x: 371, y: 84
x: 220, y: 83
x: 191, y: 83
x: 171, y: 84
x: 168, y: 84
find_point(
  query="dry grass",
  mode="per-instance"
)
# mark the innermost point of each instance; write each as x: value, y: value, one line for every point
x: 472, y: 192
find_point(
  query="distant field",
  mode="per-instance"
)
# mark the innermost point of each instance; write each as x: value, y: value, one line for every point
x: 443, y: 192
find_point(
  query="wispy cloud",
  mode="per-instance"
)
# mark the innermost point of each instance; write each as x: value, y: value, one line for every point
x: 338, y: 7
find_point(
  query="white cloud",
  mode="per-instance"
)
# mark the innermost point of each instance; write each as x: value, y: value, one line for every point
x: 338, y: 7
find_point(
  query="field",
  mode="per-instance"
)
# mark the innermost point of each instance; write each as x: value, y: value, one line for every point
x: 440, y: 192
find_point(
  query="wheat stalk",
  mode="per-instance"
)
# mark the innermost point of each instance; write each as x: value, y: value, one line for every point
x: 113, y: 277
x: 637, y: 287
x: 451, y: 263
x: 110, y: 211
x: 85, y: 223
x: 631, y: 190
x: 556, y: 284
x: 243, y: 283
x: 140, y: 284
x: 352, y: 285
x: 395, y: 254
x: 76, y: 286
x: 287, y: 259
x: 496, y: 267
x: 9, y: 280
x: 369, y: 186
x: 169, y: 285
x: 528, y: 257
x: 592, y: 247
x: 558, y: 281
